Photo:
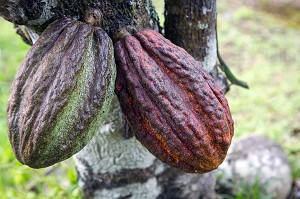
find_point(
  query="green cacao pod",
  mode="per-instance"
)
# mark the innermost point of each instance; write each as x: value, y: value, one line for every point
x: 61, y: 93
x: 174, y: 107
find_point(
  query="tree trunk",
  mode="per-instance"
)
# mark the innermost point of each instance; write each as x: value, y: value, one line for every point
x: 191, y: 24
x: 37, y: 14
x: 111, y: 166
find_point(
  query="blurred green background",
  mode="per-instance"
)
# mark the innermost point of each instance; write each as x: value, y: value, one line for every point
x: 260, y: 42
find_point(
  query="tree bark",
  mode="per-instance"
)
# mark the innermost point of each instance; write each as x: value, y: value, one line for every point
x: 191, y: 24
x: 37, y: 14
x: 111, y: 166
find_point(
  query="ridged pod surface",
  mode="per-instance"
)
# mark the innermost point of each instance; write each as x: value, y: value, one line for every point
x: 174, y: 107
x: 61, y: 93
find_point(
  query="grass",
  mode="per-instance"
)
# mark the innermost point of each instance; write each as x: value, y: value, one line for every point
x: 258, y: 47
x: 251, y: 192
x: 245, y: 191
x: 264, y: 52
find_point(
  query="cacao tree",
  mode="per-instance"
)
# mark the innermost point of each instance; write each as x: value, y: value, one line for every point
x: 114, y: 164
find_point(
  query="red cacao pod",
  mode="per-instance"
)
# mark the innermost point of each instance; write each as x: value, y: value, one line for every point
x: 174, y: 107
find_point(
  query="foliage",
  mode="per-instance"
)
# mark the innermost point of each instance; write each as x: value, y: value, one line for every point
x: 258, y: 47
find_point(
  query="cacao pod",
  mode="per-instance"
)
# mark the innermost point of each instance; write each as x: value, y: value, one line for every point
x: 61, y: 93
x: 174, y: 107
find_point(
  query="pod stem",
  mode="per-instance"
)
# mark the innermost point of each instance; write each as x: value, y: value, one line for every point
x: 124, y: 32
x: 93, y: 17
